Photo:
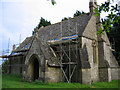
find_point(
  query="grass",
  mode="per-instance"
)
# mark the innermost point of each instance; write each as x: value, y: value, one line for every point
x: 14, y: 81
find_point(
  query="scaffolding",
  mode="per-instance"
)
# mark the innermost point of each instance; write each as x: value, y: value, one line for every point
x: 17, y: 55
x: 65, y: 51
x: 7, y: 63
x: 4, y: 54
x: 67, y: 55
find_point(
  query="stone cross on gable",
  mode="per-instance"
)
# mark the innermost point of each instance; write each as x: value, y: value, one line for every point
x: 95, y: 1
x: 119, y: 5
x: 92, y: 5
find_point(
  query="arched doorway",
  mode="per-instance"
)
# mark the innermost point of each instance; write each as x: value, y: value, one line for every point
x: 34, y: 68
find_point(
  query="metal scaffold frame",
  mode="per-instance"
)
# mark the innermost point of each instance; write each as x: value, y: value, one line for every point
x: 69, y: 66
x: 6, y: 55
x: 6, y: 62
x: 61, y: 53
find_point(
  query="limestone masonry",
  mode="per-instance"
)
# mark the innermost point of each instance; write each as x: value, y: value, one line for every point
x: 69, y: 51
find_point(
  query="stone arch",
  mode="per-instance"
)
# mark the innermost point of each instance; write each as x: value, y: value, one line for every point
x: 34, y: 67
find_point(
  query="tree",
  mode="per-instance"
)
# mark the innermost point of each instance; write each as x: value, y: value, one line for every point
x: 43, y: 23
x: 65, y: 18
x: 78, y: 13
x: 114, y: 35
x: 53, y: 2
x: 4, y: 66
x: 111, y: 25
x: 114, y: 16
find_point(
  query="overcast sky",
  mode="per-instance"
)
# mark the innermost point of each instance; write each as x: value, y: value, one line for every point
x: 22, y: 16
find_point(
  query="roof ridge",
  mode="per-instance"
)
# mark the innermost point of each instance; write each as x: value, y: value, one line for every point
x: 63, y: 21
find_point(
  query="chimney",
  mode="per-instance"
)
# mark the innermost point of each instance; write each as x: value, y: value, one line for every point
x: 92, y: 5
x: 14, y: 47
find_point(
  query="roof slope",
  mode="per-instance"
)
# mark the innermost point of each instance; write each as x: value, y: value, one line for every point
x: 66, y: 28
x: 69, y: 27
x: 25, y: 44
x: 73, y: 26
x: 91, y: 29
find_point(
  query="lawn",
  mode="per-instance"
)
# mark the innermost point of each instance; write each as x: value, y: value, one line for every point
x: 14, y: 81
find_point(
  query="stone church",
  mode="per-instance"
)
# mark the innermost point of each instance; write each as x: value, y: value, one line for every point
x: 68, y: 51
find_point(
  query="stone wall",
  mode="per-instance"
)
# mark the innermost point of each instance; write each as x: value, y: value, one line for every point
x: 93, y: 72
x: 35, y: 49
x: 16, y: 63
x: 89, y: 41
x: 108, y: 66
x: 86, y: 76
x: 103, y: 74
x: 90, y: 30
x: 103, y: 64
x: 115, y: 73
x: 46, y: 74
x: 53, y: 74
x: 118, y: 73
x: 108, y: 55
x: 95, y: 59
x: 35, y: 52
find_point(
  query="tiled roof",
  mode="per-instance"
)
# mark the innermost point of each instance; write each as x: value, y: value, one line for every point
x: 65, y: 28
x: 25, y: 44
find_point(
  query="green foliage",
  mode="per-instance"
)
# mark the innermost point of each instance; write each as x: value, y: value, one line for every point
x: 42, y: 22
x: 14, y: 81
x: 114, y: 37
x: 38, y: 82
x: 113, y: 84
x: 113, y: 17
x: 65, y: 18
x: 97, y: 14
x: 78, y: 13
x: 4, y: 68
x: 111, y: 24
x: 53, y: 2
